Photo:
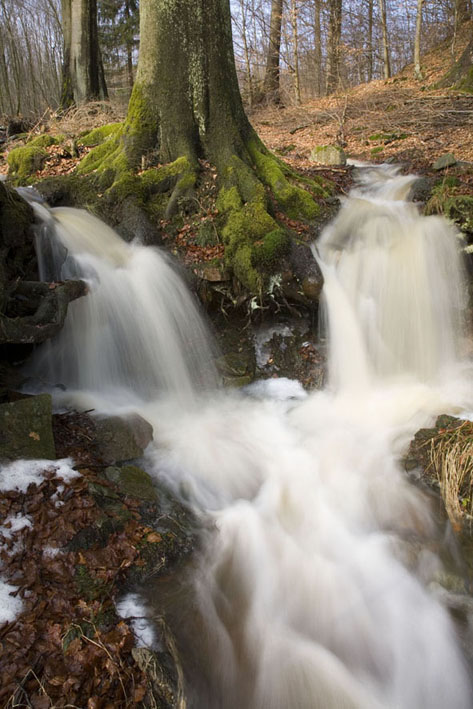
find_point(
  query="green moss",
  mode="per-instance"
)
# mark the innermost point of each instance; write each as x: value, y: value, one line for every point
x: 246, y: 225
x: 228, y: 199
x: 24, y: 162
x: 97, y: 136
x: 274, y: 246
x: 44, y: 141
x: 296, y: 202
x: 126, y: 185
x: 377, y: 150
x: 244, y: 270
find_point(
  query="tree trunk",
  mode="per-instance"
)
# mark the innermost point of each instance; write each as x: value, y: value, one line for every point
x: 295, y: 48
x: 318, y: 47
x: 417, y: 68
x: 186, y: 106
x: 370, y: 40
x: 384, y: 26
x: 333, y: 46
x: 271, y: 86
x: 461, y: 74
x: 83, y: 74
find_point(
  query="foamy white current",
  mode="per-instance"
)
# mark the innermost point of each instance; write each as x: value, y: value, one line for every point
x: 316, y: 586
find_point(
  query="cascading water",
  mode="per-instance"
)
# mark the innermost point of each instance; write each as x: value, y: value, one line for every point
x: 137, y: 334
x: 316, y: 586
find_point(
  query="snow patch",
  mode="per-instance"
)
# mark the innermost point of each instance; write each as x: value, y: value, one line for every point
x: 19, y: 474
x: 132, y: 608
x: 10, y: 607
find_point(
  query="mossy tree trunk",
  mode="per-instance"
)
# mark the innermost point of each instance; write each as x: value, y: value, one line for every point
x: 186, y: 106
x: 83, y: 76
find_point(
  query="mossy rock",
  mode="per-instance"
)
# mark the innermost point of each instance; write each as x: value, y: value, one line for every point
x: 45, y: 141
x: 26, y: 429
x: 328, y: 155
x: 24, y: 162
x: 133, y: 482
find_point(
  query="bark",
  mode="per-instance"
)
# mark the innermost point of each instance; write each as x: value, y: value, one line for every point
x: 295, y: 45
x: 271, y: 86
x: 384, y: 27
x: 417, y: 68
x: 461, y: 74
x: 370, y: 40
x: 83, y: 74
x: 333, y: 46
x: 318, y: 47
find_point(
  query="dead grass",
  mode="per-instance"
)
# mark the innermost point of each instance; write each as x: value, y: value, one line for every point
x: 451, y: 457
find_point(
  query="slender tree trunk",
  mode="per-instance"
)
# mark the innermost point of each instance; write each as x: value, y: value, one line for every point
x: 333, y: 46
x: 271, y: 87
x: 129, y: 47
x: 318, y: 47
x: 249, y: 81
x: 295, y: 48
x: 83, y: 75
x: 384, y: 26
x: 417, y: 67
x: 370, y: 40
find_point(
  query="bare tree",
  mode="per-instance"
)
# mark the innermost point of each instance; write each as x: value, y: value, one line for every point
x: 271, y: 86
x: 333, y: 45
x: 384, y: 26
x: 417, y: 67
x: 83, y: 74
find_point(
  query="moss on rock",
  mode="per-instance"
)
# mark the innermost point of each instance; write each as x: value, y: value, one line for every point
x: 24, y: 162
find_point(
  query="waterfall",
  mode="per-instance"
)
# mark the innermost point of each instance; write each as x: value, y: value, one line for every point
x: 318, y: 582
x: 137, y: 334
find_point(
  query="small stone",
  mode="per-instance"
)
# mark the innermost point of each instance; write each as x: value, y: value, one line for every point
x: 135, y: 482
x: 444, y: 161
x: 328, y: 155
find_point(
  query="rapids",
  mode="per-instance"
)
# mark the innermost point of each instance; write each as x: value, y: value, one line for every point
x: 317, y: 584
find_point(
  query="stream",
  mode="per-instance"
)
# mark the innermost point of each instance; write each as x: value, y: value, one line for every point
x: 317, y: 582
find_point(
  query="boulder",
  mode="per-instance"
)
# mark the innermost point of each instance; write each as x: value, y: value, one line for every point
x: 328, y: 155
x: 133, y: 482
x: 447, y: 160
x: 26, y: 429
x: 120, y: 439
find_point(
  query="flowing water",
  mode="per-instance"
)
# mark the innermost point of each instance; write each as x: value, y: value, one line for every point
x: 317, y: 582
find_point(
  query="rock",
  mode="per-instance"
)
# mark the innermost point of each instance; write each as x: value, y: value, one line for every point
x: 214, y: 273
x: 36, y: 311
x: 133, y: 482
x: 120, y: 439
x: 26, y: 428
x: 328, y: 155
x: 444, y: 161
x: 421, y: 190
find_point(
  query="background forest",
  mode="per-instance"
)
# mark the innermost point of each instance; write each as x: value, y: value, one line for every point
x: 324, y: 46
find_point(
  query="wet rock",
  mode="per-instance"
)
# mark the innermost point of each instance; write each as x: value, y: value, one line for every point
x: 328, y: 155
x: 26, y: 429
x: 134, y: 223
x: 133, y: 482
x: 36, y: 311
x: 120, y: 439
x: 302, y: 281
x: 421, y: 190
x: 447, y: 160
